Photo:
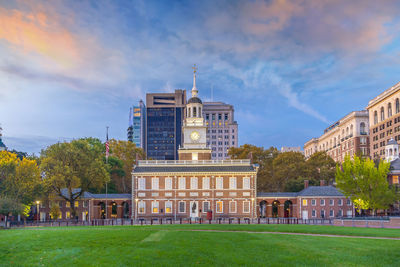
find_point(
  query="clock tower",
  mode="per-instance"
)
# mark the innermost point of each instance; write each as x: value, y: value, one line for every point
x: 194, y: 129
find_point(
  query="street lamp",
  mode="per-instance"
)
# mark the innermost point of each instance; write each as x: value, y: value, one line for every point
x: 37, y: 210
x: 136, y: 207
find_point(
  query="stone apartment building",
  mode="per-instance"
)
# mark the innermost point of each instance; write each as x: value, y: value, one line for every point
x: 384, y: 120
x: 348, y: 136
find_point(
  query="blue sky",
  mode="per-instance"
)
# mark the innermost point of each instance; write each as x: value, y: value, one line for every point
x: 68, y: 69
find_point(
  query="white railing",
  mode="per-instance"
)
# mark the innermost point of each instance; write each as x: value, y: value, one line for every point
x: 193, y: 162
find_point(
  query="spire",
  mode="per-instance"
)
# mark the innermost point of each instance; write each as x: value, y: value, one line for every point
x: 194, y: 89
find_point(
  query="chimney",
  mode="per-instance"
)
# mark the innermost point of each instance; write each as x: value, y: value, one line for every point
x: 322, y: 182
x: 305, y: 184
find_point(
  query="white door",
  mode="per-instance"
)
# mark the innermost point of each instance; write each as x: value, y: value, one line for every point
x: 349, y: 213
x: 305, y: 215
x: 42, y: 216
x: 84, y: 216
x: 194, y: 209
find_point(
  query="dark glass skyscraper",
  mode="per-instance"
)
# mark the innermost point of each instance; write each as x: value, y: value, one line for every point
x: 165, y: 114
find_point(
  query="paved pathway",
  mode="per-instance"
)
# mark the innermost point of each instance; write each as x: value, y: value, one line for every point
x: 302, y: 234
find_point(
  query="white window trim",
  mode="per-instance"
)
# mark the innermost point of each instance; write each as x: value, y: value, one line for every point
x: 169, y: 187
x: 321, y: 201
x: 182, y: 183
x: 144, y: 207
x: 155, y: 183
x: 152, y: 207
x: 333, y: 213
x: 235, y: 203
x: 141, y: 183
x: 219, y: 186
x: 246, y: 185
x: 245, y: 205
x: 333, y: 202
x: 315, y: 202
x: 232, y: 183
x: 169, y: 202
x: 204, y: 210
x: 207, y: 183
x: 315, y: 213
x: 179, y: 207
x: 340, y: 202
x: 194, y: 181
x: 216, y: 206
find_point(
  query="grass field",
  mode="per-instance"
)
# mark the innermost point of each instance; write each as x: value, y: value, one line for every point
x: 177, y: 245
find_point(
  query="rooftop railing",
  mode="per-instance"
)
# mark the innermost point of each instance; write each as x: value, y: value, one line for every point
x: 193, y: 162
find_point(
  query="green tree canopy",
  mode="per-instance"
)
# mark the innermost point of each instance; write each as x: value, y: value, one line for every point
x: 72, y: 165
x: 320, y: 166
x: 365, y: 183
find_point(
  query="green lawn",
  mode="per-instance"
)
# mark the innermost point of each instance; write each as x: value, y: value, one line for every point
x: 175, y: 246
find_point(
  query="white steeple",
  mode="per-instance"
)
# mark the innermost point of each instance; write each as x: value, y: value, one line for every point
x: 194, y: 89
x: 391, y: 150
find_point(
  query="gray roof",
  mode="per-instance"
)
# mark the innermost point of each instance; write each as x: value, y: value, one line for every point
x: 64, y: 192
x: 112, y: 196
x: 320, y: 191
x: 277, y: 194
x: 395, y: 165
x: 194, y: 100
x: 222, y: 168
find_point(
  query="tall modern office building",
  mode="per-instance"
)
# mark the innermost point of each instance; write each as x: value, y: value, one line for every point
x: 222, y: 129
x: 137, y: 125
x: 164, y: 118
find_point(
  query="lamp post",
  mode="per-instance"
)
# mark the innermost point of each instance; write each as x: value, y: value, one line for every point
x: 136, y: 207
x: 37, y: 210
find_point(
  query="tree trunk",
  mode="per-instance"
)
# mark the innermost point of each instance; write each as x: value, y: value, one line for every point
x: 73, y: 211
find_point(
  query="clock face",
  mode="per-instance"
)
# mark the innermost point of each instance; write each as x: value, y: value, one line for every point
x: 194, y: 136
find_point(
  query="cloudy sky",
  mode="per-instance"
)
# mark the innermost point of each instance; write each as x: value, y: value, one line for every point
x: 68, y: 69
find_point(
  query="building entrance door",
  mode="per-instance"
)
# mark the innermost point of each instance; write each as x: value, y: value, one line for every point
x: 305, y: 215
x: 194, y: 209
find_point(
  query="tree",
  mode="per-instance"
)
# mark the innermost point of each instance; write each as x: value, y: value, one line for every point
x: 365, y: 183
x: 72, y: 168
x: 287, y: 167
x: 55, y: 211
x: 128, y: 153
x: 19, y: 178
x: 9, y: 206
x: 321, y: 166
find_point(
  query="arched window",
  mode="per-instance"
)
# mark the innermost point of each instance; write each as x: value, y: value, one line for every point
x: 194, y: 111
x: 334, y: 141
x: 114, y: 209
x: 397, y: 106
x: 390, y: 152
x: 351, y: 129
x: 382, y: 114
x: 375, y: 117
x: 347, y: 131
x: 362, y: 128
x: 389, y: 110
x: 200, y: 115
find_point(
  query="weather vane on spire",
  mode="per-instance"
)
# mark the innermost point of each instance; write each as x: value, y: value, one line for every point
x: 194, y: 69
x: 194, y: 89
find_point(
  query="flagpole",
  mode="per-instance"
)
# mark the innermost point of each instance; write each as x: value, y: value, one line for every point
x: 107, y: 149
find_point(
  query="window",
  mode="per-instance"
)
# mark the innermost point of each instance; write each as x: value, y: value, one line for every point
x: 154, y: 183
x: 340, y: 213
x: 67, y: 215
x: 154, y: 207
x: 331, y: 213
x: 194, y: 112
x: 219, y: 183
x: 193, y: 183
x: 207, y: 116
x: 76, y: 204
x: 348, y: 202
x: 304, y: 202
x: 226, y: 116
x: 313, y: 202
x: 375, y: 117
x: 68, y: 204
x: 206, y: 206
x: 322, y: 202
x: 168, y: 183
x: 232, y: 183
x: 182, y: 183
x: 168, y: 207
x: 314, y: 213
x: 220, y: 207
x: 246, y: 206
x: 340, y: 202
x: 182, y: 207
x: 142, y: 183
x: 362, y: 128
x: 246, y: 183
x: 219, y: 116
x: 395, y: 179
x: 397, y: 106
x: 206, y: 182
x: 141, y: 207
x: 382, y: 114
x: 232, y: 207
x: 331, y: 202
x: 84, y: 204
x: 389, y: 110
x: 322, y: 214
